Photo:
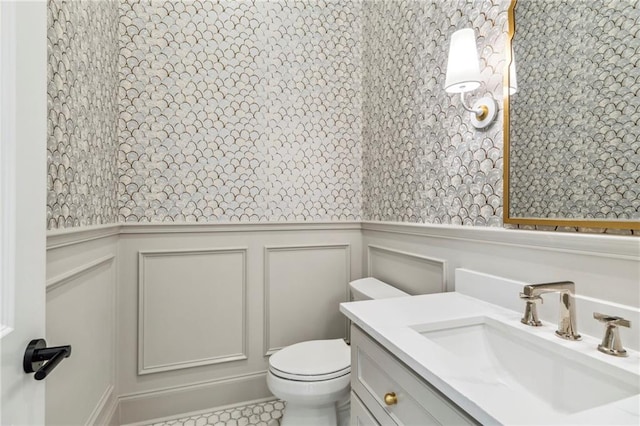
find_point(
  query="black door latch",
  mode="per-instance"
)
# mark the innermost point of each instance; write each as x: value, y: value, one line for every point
x: 38, y: 354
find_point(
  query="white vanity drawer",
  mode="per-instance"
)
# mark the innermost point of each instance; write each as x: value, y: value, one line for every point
x: 375, y: 372
x: 360, y: 416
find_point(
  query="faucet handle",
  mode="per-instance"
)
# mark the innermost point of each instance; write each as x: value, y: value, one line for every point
x: 530, y: 316
x: 612, y: 320
x: 611, y: 343
x: 531, y: 298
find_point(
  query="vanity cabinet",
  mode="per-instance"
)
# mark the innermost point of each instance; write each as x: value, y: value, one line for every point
x: 386, y: 392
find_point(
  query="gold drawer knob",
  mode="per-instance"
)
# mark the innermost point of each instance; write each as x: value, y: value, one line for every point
x: 390, y: 398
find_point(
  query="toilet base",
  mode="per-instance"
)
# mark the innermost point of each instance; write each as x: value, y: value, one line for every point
x: 344, y: 411
x: 324, y: 403
x: 323, y: 415
x: 321, y: 403
x: 304, y: 415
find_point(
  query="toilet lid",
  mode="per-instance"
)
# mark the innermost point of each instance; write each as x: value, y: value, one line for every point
x: 312, y: 361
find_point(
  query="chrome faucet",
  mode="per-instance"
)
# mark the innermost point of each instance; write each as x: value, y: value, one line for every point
x: 567, y: 324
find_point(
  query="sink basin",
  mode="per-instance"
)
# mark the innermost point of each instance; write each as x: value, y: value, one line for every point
x: 548, y: 374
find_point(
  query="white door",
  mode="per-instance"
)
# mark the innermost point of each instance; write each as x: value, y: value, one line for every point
x: 23, y: 129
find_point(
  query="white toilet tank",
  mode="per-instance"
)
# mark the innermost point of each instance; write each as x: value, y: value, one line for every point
x: 372, y: 288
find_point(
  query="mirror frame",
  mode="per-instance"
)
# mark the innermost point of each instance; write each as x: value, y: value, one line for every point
x: 506, y: 218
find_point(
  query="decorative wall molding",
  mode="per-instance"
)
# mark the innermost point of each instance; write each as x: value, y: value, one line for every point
x: 171, y: 228
x: 268, y: 348
x: 242, y: 355
x: 615, y: 246
x: 438, y: 263
x: 75, y: 273
x: 620, y: 247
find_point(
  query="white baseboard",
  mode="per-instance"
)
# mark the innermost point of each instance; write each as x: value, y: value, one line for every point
x: 171, y: 402
x: 104, y: 412
x: 201, y: 412
x: 109, y: 415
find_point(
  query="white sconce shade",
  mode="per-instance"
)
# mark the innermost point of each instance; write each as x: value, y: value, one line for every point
x: 463, y: 67
x: 463, y: 75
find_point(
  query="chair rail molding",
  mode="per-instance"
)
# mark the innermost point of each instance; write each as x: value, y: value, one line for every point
x: 601, y: 245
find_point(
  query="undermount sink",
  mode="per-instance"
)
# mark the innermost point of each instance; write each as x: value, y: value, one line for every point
x: 547, y: 374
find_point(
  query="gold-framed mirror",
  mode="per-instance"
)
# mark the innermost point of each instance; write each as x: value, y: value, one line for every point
x: 572, y: 129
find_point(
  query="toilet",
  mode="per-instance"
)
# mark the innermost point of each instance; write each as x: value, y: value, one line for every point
x: 313, y: 377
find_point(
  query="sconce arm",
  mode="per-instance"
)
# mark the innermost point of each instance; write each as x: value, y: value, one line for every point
x: 478, y: 111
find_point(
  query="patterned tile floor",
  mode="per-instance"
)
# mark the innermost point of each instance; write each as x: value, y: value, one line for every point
x: 262, y: 414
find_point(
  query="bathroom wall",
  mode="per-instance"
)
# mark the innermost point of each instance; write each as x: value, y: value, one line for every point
x: 232, y: 111
x: 239, y: 111
x: 82, y: 191
x: 82, y: 101
x: 422, y: 159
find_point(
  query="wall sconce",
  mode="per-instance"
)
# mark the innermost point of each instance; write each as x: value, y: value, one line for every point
x: 463, y: 75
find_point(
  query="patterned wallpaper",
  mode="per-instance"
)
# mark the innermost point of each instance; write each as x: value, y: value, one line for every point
x: 591, y: 81
x: 263, y: 111
x: 83, y: 113
x: 240, y: 111
x: 422, y: 159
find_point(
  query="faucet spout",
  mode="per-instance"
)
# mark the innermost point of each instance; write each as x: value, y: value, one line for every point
x: 533, y: 290
x: 567, y: 323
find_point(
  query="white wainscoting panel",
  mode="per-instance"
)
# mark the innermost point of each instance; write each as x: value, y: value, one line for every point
x: 191, y: 290
x: 295, y: 276
x: 602, y: 266
x: 303, y: 288
x: 410, y: 272
x: 325, y: 254
x: 80, y: 312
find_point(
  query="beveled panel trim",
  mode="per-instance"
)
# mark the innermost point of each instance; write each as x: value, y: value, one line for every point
x: 142, y: 369
x: 268, y: 349
x: 172, y: 228
x: 75, y: 273
x: 426, y: 259
x: 612, y: 246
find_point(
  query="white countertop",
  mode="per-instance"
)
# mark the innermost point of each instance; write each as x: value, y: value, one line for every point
x: 390, y: 322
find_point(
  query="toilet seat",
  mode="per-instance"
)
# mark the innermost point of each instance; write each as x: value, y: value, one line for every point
x: 312, y: 361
